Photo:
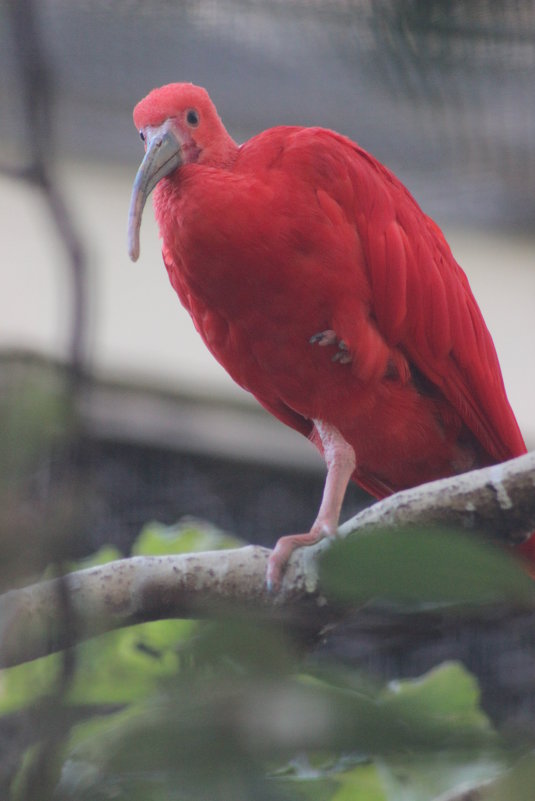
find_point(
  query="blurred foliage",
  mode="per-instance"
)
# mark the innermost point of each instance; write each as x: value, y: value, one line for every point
x: 432, y: 566
x: 188, y: 535
x: 231, y: 710
x: 36, y: 423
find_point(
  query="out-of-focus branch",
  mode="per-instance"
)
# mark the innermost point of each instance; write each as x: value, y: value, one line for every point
x: 37, y: 93
x: 36, y: 90
x: 499, y: 499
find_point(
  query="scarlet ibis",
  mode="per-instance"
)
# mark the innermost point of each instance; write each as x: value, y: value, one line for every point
x: 316, y: 280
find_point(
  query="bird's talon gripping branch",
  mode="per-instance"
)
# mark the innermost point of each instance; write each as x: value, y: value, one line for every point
x: 282, y: 551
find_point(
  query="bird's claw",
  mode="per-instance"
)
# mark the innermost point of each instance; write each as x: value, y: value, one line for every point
x: 328, y: 337
x: 324, y: 338
x: 343, y: 355
x: 277, y: 562
x: 285, y: 546
x: 272, y: 584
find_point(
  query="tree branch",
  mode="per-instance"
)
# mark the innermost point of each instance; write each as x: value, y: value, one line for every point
x: 499, y: 500
x: 36, y: 91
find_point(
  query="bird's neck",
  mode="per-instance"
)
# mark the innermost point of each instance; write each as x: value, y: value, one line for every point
x: 221, y: 153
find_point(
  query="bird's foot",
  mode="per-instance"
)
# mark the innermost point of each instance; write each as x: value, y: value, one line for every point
x: 342, y: 355
x: 329, y: 337
x: 284, y: 547
x: 323, y: 338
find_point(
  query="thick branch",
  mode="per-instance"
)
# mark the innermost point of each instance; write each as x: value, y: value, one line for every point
x: 499, y: 500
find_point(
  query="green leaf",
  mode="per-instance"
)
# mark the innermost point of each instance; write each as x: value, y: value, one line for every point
x: 187, y: 536
x: 244, y: 647
x: 421, y: 778
x: 128, y: 665
x: 309, y: 789
x: 363, y: 783
x: 449, y: 692
x: 176, y: 745
x: 337, y: 778
x: 115, y: 668
x: 22, y: 685
x: 104, y: 555
x: 423, y: 566
x: 517, y: 784
x: 447, y: 697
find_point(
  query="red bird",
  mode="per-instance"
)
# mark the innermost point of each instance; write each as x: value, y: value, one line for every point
x: 316, y: 280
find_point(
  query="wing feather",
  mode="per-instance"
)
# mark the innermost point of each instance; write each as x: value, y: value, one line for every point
x: 423, y: 304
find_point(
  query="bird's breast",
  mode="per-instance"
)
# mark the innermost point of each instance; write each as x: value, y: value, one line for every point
x: 260, y: 279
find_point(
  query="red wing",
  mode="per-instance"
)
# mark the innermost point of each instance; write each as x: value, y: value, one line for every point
x: 423, y: 304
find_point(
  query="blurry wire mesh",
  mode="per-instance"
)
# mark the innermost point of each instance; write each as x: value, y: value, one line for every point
x: 442, y: 91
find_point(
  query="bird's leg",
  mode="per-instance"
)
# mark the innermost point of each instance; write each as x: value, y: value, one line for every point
x: 329, y: 337
x: 341, y: 462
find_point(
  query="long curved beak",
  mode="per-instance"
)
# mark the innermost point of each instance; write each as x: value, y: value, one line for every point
x: 162, y: 157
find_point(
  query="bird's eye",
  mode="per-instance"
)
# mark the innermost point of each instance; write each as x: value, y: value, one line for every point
x: 192, y: 117
x: 142, y: 135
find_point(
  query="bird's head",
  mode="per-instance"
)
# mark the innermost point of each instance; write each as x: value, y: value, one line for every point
x: 179, y: 125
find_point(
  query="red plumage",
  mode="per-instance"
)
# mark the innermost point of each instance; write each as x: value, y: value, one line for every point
x: 317, y: 281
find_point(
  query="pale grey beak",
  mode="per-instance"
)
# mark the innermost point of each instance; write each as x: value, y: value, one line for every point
x: 162, y: 157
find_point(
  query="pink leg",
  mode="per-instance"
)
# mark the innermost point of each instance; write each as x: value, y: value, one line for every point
x: 340, y: 459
